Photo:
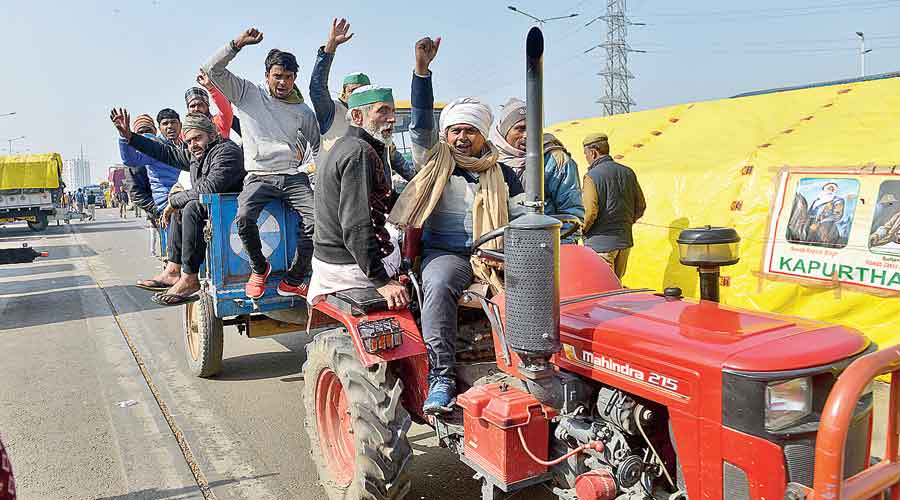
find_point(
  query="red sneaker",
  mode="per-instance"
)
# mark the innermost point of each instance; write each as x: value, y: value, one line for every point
x: 286, y: 289
x: 256, y: 285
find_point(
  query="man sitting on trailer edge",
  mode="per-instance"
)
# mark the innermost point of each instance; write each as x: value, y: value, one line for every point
x: 353, y: 249
x: 216, y: 166
x: 280, y: 138
x: 460, y: 193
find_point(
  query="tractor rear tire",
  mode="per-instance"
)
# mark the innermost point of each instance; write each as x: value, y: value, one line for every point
x: 356, y: 423
x: 204, y: 337
x: 40, y: 224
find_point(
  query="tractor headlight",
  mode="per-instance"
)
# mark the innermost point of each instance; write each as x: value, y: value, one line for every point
x: 787, y: 402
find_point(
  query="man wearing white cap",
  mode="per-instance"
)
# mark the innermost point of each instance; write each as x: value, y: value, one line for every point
x: 459, y: 194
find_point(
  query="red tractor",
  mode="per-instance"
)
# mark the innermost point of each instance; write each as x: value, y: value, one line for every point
x: 596, y: 391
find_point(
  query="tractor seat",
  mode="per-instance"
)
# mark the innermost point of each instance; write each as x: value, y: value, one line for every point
x: 358, y: 301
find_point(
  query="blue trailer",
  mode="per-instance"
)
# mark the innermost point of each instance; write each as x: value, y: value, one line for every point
x: 223, y: 276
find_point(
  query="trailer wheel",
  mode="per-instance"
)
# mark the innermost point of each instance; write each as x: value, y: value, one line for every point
x: 41, y: 223
x: 204, y: 337
x: 356, y: 424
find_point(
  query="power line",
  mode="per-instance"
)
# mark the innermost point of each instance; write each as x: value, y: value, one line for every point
x: 681, y: 18
x: 780, y: 11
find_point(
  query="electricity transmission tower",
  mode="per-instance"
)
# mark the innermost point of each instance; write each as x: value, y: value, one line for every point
x: 616, y: 98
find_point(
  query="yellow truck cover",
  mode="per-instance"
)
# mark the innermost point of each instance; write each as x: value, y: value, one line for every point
x: 745, y: 163
x: 41, y: 171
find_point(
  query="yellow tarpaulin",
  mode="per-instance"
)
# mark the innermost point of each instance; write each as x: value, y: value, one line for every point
x: 806, y: 177
x: 30, y: 171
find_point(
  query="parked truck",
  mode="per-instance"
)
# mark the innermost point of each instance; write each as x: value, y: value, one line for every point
x: 31, y: 189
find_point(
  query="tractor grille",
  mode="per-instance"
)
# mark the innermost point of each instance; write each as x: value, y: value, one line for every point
x: 531, y: 272
x: 800, y: 455
x: 735, y: 485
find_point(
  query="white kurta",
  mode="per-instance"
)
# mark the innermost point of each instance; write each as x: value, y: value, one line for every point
x: 330, y: 278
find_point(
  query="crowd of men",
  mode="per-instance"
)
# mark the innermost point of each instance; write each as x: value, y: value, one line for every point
x: 465, y: 180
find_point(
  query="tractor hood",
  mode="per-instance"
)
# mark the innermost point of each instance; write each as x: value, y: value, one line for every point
x: 704, y: 335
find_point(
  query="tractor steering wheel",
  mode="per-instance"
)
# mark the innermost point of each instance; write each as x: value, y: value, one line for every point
x: 497, y: 254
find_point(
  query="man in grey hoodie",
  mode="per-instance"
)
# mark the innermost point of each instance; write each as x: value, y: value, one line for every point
x: 280, y: 138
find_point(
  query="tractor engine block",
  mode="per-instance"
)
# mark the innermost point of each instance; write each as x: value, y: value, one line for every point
x: 617, y: 420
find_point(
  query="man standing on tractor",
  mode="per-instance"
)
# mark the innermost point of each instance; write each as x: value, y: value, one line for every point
x: 332, y: 114
x: 353, y: 248
x: 562, y: 192
x: 613, y: 202
x: 460, y: 193
x: 216, y: 166
x: 281, y: 138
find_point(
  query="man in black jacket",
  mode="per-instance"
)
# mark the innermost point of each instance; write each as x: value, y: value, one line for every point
x: 353, y: 248
x: 613, y: 202
x: 216, y: 166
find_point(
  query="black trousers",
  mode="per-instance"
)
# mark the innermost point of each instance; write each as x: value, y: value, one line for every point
x: 258, y: 191
x: 186, y: 245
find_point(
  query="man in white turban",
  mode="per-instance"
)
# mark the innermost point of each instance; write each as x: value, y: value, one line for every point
x: 459, y: 193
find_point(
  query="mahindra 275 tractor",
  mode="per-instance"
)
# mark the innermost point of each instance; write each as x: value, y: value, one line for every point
x: 596, y: 391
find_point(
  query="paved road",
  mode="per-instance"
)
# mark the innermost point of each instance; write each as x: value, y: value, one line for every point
x: 81, y: 421
x: 65, y: 368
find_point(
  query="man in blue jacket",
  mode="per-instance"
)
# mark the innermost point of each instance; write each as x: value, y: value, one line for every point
x: 562, y: 191
x: 159, y: 177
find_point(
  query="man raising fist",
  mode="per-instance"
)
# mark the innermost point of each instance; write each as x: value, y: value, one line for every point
x: 281, y: 139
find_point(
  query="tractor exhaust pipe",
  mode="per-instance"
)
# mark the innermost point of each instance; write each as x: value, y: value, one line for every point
x: 532, y: 252
x: 534, y: 121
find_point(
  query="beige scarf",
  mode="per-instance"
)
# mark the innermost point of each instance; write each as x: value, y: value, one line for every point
x: 489, y: 211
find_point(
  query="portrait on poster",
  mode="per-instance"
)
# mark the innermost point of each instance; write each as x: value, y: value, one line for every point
x: 884, y: 238
x: 822, y: 212
x: 830, y: 226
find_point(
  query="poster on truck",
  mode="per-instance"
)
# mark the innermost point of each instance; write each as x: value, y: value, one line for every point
x: 832, y: 225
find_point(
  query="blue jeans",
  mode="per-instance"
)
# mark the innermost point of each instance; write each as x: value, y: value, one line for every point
x: 445, y: 275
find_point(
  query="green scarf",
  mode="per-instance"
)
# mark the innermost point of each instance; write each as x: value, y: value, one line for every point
x: 295, y: 97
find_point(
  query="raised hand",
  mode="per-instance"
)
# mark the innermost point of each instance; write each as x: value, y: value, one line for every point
x: 426, y: 50
x: 340, y: 34
x: 251, y: 36
x: 122, y: 121
x: 203, y: 79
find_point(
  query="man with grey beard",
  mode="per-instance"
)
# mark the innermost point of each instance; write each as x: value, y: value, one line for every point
x: 353, y: 248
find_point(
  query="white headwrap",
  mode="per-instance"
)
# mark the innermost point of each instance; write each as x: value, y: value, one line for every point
x: 468, y: 110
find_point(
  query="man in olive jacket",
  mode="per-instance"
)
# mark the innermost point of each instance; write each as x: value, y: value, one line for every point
x: 216, y: 166
x: 613, y: 202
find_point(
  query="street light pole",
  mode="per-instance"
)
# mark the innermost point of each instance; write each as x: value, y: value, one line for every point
x: 862, y: 53
x: 536, y: 19
x: 7, y: 114
x: 11, y: 141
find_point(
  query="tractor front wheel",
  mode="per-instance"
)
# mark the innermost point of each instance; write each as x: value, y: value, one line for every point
x: 356, y: 424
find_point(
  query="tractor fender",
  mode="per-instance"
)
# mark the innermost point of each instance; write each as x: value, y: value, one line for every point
x: 412, y: 345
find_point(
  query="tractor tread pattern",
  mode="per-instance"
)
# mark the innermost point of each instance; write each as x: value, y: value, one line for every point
x: 379, y: 421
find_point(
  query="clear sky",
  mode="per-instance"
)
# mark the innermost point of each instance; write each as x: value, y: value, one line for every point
x: 65, y: 63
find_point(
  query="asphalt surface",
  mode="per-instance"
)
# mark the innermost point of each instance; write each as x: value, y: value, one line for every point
x: 79, y: 417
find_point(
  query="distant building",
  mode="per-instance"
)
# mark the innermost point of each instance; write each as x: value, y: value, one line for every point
x: 77, y: 173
